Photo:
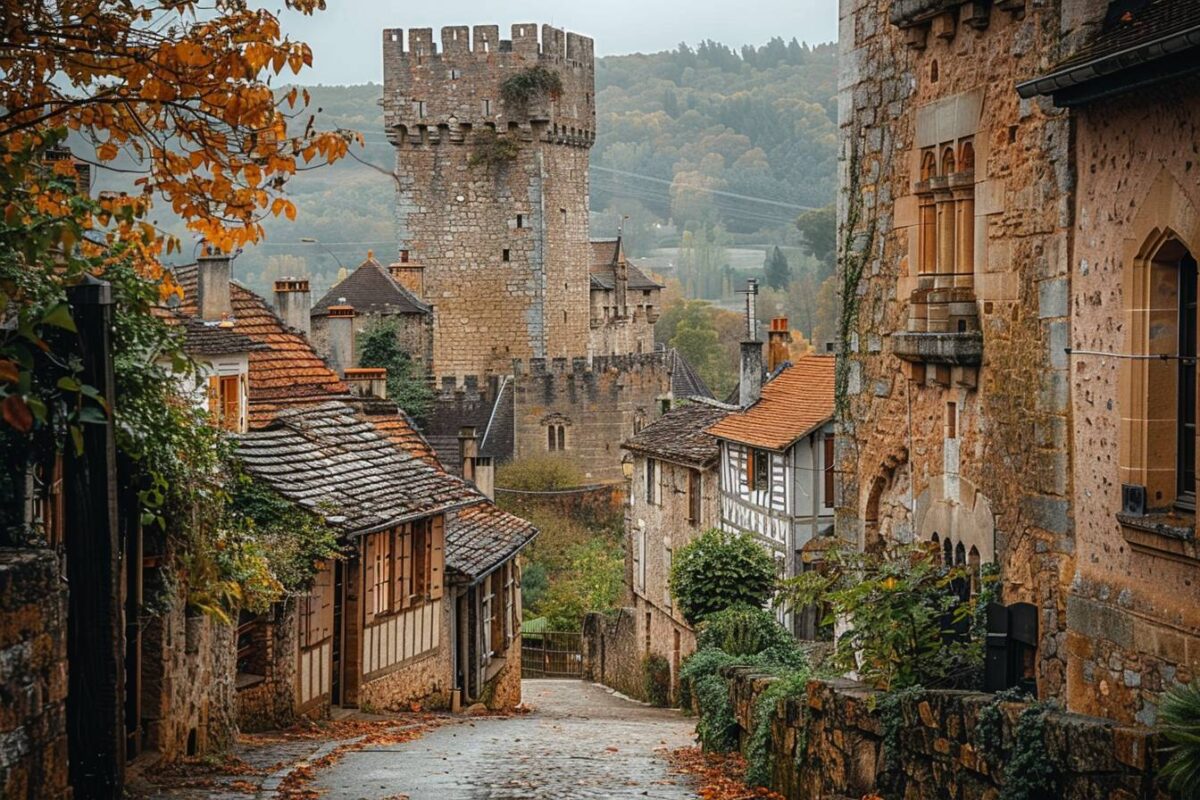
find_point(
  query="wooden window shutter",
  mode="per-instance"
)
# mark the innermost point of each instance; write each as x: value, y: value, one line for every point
x: 749, y: 468
x: 214, y: 397
x: 509, y: 603
x: 325, y: 581
x: 243, y: 401
x: 497, y: 591
x: 437, y: 558
x: 370, y: 545
x: 405, y: 558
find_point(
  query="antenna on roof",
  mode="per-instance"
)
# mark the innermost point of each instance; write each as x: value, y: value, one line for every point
x: 751, y: 292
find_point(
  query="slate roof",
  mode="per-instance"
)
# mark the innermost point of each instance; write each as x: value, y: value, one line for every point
x: 606, y: 254
x: 1158, y: 39
x: 497, y: 437
x: 371, y: 289
x: 328, y: 459
x: 797, y: 401
x: 287, y: 372
x: 481, y: 537
x: 685, y: 381
x: 390, y: 420
x: 202, y: 338
x: 681, y: 436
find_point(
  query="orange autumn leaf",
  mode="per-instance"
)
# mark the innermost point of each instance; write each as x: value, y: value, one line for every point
x: 16, y: 413
x: 9, y: 371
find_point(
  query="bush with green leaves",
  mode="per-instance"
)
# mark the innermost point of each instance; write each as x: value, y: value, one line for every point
x: 519, y: 89
x: 743, y: 630
x: 1180, y: 726
x: 379, y: 346
x: 906, y: 623
x: 656, y: 679
x: 543, y: 473
x: 717, y: 570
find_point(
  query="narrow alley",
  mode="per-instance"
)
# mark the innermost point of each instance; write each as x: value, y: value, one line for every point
x: 581, y: 741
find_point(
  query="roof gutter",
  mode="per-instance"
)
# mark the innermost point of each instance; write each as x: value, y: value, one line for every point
x: 413, y: 516
x: 1105, y: 66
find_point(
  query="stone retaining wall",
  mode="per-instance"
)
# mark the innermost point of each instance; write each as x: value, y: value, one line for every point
x: 839, y: 732
x: 612, y: 654
x: 33, y: 676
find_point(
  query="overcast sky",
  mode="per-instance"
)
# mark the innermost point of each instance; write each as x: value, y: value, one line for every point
x: 346, y: 39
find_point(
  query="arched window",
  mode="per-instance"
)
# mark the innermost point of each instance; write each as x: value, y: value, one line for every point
x: 928, y: 165
x: 960, y: 555
x: 933, y: 71
x: 948, y: 552
x: 927, y: 217
x: 948, y: 161
x: 966, y: 156
x: 556, y: 437
x: 974, y: 566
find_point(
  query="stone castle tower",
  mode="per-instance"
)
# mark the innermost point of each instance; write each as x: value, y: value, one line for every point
x: 493, y: 195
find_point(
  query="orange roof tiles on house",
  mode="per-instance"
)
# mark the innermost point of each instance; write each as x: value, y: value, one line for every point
x: 396, y: 425
x: 289, y: 372
x: 794, y: 403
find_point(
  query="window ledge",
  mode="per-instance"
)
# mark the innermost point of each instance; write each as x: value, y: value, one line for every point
x: 1166, y: 534
x: 246, y: 680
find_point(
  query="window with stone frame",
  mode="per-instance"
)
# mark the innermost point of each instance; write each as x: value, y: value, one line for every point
x: 946, y: 214
x: 556, y: 437
x: 694, y: 496
x: 653, y: 475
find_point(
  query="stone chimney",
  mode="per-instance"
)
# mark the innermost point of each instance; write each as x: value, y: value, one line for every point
x: 777, y: 343
x: 212, y: 284
x: 367, y: 382
x: 293, y: 301
x: 339, y: 339
x: 468, y: 452
x: 751, y: 379
x: 409, y: 275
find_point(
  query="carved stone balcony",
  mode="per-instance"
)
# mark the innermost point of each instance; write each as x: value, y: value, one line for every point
x: 955, y: 349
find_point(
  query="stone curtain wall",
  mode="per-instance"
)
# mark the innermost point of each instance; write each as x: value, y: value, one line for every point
x: 33, y: 676
x: 842, y: 751
x: 597, y: 405
x: 458, y: 219
x: 612, y: 654
x: 997, y: 477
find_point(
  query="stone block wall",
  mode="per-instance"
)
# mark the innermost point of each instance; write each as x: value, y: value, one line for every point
x: 833, y: 743
x: 597, y: 405
x: 33, y: 676
x: 270, y: 702
x: 612, y: 654
x: 189, y: 669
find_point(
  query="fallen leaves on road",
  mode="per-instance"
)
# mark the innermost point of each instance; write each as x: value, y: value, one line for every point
x: 296, y: 786
x: 721, y: 775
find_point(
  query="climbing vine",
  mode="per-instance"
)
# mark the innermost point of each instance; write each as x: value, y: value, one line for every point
x: 492, y: 150
x: 760, y: 759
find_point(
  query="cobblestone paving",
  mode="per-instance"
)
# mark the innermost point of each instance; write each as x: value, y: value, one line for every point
x: 580, y: 742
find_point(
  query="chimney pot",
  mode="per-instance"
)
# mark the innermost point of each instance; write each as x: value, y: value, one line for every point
x: 339, y: 344
x: 293, y: 301
x: 777, y: 343
x: 751, y: 378
x: 212, y: 284
x: 367, y: 381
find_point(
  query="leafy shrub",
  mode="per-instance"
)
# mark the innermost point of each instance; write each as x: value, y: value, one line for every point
x: 540, y: 474
x: 718, y: 570
x: 742, y: 630
x: 517, y: 90
x: 592, y: 581
x: 907, y: 623
x: 1180, y: 710
x: 379, y: 346
x: 656, y: 679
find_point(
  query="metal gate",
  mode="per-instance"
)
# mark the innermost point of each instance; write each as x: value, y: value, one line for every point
x: 551, y: 654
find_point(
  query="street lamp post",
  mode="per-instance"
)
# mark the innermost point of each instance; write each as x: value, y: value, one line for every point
x: 311, y: 240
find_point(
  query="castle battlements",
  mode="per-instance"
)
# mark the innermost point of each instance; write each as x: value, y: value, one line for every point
x: 437, y: 94
x: 580, y: 368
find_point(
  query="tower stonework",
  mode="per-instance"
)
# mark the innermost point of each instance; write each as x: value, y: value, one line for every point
x: 492, y: 197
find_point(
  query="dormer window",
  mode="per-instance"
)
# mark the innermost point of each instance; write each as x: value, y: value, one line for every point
x: 227, y: 401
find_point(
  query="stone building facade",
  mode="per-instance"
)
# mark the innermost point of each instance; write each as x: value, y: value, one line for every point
x: 953, y: 388
x: 1133, y: 623
x: 673, y: 498
x: 1013, y: 257
x: 493, y: 192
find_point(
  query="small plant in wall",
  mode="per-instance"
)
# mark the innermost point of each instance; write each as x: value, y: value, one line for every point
x: 1180, y: 726
x: 520, y: 89
x: 492, y: 150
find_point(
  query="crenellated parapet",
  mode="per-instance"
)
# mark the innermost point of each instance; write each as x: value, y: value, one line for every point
x: 445, y: 94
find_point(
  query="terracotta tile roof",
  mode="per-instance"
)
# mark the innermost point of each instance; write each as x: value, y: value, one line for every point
x: 328, y: 459
x: 370, y: 289
x: 481, y: 537
x: 286, y: 374
x: 681, y: 436
x: 796, y: 401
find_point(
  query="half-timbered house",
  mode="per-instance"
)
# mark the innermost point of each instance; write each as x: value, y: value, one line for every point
x: 776, y: 466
